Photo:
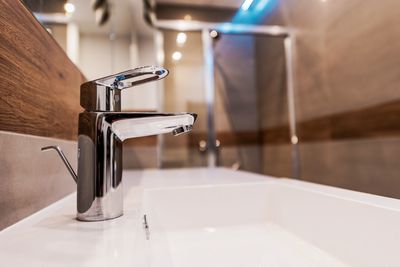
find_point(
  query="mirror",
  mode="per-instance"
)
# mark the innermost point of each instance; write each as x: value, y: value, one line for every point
x: 102, y: 37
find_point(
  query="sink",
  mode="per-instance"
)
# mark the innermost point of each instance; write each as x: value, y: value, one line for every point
x: 274, y: 223
x: 214, y: 217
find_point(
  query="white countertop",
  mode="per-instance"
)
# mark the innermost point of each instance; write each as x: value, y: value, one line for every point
x: 53, y: 237
x: 282, y: 222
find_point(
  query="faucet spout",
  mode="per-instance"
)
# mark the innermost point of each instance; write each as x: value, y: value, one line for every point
x: 182, y: 129
x: 132, y: 124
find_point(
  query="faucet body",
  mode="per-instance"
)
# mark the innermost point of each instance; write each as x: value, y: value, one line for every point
x: 100, y: 139
x: 101, y: 132
x: 99, y: 185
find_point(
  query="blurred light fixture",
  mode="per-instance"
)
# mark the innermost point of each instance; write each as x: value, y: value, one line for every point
x: 181, y: 38
x: 149, y: 11
x: 97, y: 3
x: 69, y: 8
x: 102, y: 15
x: 101, y: 11
x: 246, y: 4
x: 177, y: 56
x: 213, y: 34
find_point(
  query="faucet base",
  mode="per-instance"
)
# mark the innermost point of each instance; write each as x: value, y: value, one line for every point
x: 86, y: 218
x: 104, y: 208
x: 100, y: 212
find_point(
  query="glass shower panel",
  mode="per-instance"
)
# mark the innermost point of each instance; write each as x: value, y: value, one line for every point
x: 184, y: 91
x: 251, y: 117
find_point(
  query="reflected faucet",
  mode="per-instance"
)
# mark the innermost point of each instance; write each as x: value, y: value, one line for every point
x: 102, y: 130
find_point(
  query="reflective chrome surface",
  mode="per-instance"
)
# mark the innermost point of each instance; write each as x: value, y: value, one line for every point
x: 100, y: 155
x: 102, y: 130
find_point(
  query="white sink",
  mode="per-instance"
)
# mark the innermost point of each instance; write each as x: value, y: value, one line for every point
x: 274, y: 223
x: 200, y: 217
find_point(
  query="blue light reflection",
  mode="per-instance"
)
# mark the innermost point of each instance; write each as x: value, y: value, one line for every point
x: 252, y: 12
x: 246, y: 5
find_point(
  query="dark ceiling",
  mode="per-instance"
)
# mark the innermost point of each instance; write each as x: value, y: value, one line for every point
x: 45, y: 6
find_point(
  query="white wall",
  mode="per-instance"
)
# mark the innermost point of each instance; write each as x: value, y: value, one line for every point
x: 145, y: 96
x: 98, y: 58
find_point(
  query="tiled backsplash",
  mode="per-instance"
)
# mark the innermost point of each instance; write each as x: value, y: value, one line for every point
x: 30, y: 179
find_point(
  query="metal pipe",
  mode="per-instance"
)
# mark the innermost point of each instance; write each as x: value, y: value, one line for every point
x: 64, y: 160
x: 208, y: 54
x: 288, y: 46
x: 183, y: 25
x: 232, y: 28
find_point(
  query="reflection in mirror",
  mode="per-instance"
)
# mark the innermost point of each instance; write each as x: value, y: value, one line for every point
x: 184, y: 90
x: 102, y: 38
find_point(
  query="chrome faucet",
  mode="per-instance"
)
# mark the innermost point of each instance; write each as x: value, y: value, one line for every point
x: 102, y: 130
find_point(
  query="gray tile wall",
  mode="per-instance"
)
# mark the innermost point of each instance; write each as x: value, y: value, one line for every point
x: 347, y: 59
x: 30, y: 179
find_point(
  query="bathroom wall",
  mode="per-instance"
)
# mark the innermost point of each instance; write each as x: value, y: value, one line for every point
x: 184, y: 92
x: 237, y: 112
x: 39, y: 88
x: 347, y: 76
x: 236, y: 108
x: 272, y: 100
x: 98, y: 56
x: 347, y: 93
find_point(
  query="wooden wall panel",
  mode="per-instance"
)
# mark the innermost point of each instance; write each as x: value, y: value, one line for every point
x: 39, y: 85
x: 379, y: 121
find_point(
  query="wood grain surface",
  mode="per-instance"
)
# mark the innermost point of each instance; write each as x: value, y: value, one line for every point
x: 379, y: 121
x: 39, y: 85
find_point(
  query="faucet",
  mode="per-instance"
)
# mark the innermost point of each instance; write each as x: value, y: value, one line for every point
x: 101, y: 132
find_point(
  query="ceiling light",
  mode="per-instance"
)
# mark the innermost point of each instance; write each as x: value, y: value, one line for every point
x: 177, y: 56
x: 181, y: 38
x: 246, y: 4
x: 69, y: 8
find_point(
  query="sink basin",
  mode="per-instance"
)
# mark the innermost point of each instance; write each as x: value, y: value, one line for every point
x: 274, y: 223
x: 214, y: 217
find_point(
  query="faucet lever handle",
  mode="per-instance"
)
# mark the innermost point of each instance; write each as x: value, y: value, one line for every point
x: 138, y: 75
x: 64, y: 159
x: 104, y: 94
